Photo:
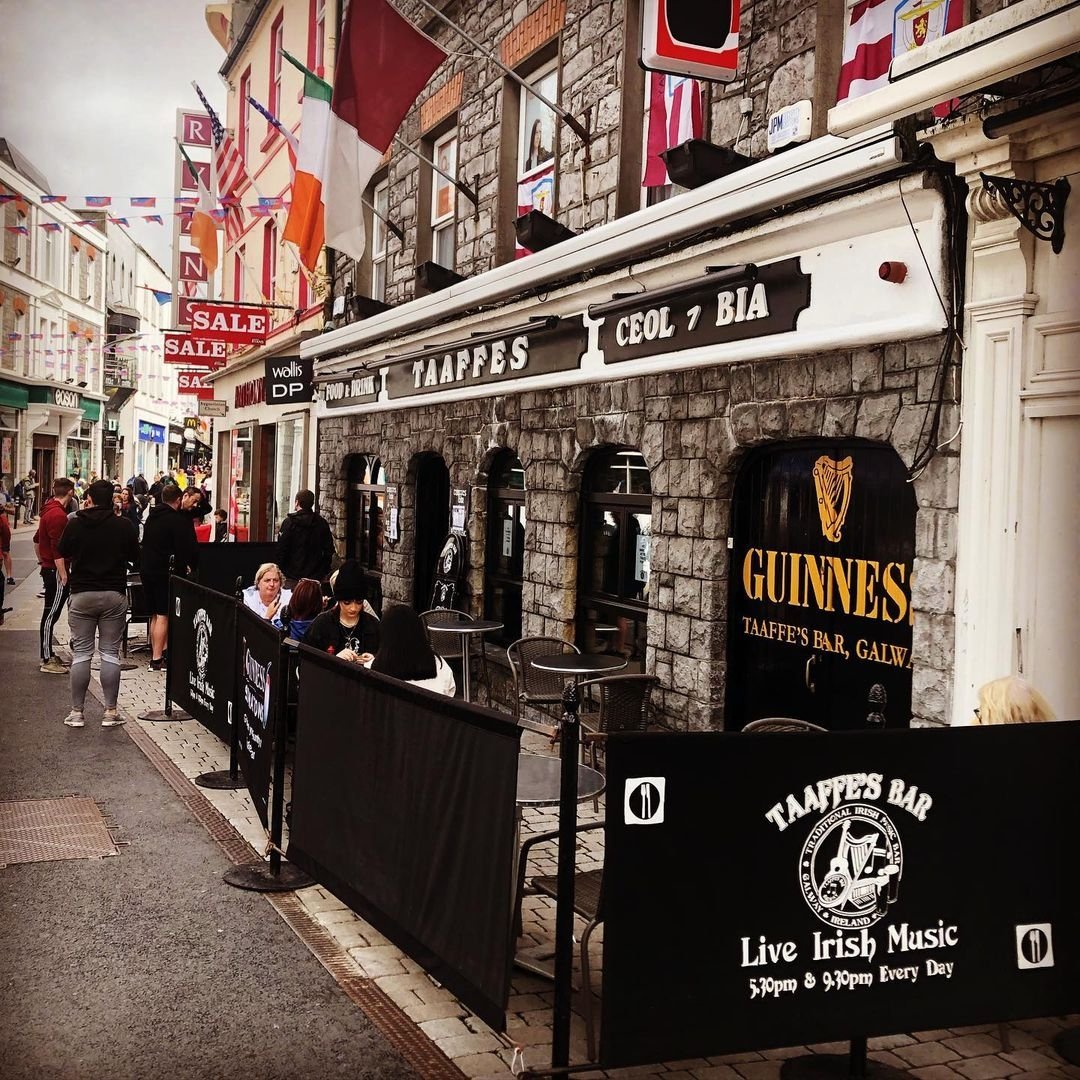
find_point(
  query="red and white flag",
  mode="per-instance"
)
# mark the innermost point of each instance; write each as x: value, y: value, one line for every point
x: 383, y: 64
x: 879, y: 30
x: 674, y: 116
x: 536, y: 192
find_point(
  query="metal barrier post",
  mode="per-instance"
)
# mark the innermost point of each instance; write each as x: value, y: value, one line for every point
x: 564, y: 909
x: 274, y: 876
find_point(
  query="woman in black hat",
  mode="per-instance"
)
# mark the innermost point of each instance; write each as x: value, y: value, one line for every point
x: 347, y: 630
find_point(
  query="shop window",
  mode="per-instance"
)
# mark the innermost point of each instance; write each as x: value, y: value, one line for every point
x: 379, y: 256
x: 616, y: 531
x: 238, y: 273
x: 277, y: 43
x: 240, y: 462
x: 537, y: 149
x: 317, y: 37
x: 288, y: 469
x: 365, y: 531
x: 243, y: 133
x: 504, y: 565
x: 269, y: 276
x: 443, y: 200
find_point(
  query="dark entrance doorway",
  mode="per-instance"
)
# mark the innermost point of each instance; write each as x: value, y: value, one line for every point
x: 820, y: 584
x: 44, y: 459
x: 431, y: 523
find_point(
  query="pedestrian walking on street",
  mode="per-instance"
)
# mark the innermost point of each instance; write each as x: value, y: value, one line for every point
x: 305, y: 544
x: 93, y: 559
x: 168, y: 532
x: 30, y: 490
x: 54, y: 519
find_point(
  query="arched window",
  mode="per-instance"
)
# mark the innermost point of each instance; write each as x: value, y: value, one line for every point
x: 366, y: 514
x: 505, y: 546
x: 616, y: 530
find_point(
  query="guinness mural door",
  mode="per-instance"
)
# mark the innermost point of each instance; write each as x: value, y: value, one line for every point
x: 820, y: 584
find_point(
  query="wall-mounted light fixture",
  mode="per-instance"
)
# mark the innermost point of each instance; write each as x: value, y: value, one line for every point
x: 716, y: 277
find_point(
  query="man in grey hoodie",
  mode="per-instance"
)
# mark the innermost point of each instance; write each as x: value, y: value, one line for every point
x: 93, y: 557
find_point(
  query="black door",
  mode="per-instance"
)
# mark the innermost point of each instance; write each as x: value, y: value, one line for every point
x: 820, y: 584
x: 432, y: 523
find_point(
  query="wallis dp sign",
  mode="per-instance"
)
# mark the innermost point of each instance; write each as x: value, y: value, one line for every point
x: 230, y: 323
x: 185, y: 349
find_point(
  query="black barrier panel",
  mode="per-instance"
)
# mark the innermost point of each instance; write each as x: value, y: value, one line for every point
x: 221, y: 564
x: 261, y: 672
x: 202, y: 655
x: 403, y: 806
x: 778, y: 890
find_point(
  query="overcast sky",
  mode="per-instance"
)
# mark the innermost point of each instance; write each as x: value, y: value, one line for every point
x: 89, y: 91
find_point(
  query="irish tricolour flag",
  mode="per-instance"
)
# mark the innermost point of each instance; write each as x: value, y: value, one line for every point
x: 304, y: 226
x: 383, y: 64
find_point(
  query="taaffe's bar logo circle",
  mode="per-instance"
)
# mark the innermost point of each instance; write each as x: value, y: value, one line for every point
x: 851, y: 865
x: 203, y: 629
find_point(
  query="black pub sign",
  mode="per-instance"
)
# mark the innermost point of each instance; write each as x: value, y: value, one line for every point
x: 713, y: 310
x: 766, y: 890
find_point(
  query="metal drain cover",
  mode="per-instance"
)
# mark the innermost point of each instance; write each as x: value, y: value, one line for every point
x: 41, y: 830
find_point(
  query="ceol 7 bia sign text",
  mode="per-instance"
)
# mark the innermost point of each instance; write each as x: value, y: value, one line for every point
x: 230, y: 323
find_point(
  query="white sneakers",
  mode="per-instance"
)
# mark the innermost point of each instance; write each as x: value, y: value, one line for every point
x: 111, y: 719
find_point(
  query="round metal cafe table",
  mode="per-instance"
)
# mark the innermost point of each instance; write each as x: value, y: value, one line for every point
x: 539, y: 780
x: 580, y: 665
x: 464, y: 627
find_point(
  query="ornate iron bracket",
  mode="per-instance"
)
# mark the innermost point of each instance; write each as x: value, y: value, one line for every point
x: 1039, y: 207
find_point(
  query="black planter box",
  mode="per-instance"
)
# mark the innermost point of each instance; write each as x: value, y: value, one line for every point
x: 536, y: 231
x: 696, y: 162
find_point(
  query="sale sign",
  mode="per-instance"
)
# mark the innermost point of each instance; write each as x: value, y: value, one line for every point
x: 231, y: 323
x: 185, y: 349
x: 191, y: 382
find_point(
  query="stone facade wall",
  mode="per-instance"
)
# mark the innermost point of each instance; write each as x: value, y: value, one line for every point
x: 596, y: 43
x: 693, y: 428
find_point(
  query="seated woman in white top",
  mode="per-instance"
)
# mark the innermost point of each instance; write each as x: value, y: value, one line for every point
x: 266, y: 597
x: 404, y: 653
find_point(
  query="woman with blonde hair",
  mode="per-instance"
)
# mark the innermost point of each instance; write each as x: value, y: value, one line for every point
x: 1012, y: 700
x: 266, y: 597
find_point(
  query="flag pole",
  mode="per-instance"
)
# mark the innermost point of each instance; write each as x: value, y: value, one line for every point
x: 460, y: 185
x: 579, y: 129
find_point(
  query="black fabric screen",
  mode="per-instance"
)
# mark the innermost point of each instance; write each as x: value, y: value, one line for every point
x: 221, y: 564
x: 777, y: 890
x: 403, y: 806
x: 261, y: 671
x: 202, y: 655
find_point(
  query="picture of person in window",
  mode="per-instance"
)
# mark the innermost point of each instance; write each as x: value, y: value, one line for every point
x: 538, y: 153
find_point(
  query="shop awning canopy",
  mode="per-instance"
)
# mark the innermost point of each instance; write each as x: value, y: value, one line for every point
x: 13, y: 396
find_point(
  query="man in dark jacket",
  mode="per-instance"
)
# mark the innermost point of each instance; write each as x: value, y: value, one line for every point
x: 54, y: 519
x: 168, y: 532
x: 305, y: 546
x: 93, y: 557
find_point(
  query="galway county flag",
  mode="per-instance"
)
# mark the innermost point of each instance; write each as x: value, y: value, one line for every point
x: 53, y: 198
x: 98, y: 200
x: 878, y: 30
x: 535, y: 192
x: 674, y: 116
x: 155, y: 219
x: 143, y: 200
x: 383, y: 64
x: 304, y: 226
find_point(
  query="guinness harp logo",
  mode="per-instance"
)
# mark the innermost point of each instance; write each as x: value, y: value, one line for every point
x: 832, y: 480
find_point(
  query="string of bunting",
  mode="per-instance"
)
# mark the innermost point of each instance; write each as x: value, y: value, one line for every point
x: 264, y: 208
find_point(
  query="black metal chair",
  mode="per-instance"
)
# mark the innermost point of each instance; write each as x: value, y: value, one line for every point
x: 588, y: 904
x: 542, y: 690
x: 624, y: 706
x: 782, y: 723
x: 451, y: 646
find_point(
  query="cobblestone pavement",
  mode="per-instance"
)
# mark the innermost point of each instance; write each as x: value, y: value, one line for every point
x: 969, y: 1053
